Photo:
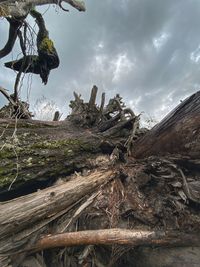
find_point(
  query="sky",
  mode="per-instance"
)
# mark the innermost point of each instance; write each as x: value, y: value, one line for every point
x: 148, y: 51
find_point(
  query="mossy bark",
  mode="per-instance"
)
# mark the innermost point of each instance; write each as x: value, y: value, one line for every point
x: 111, y: 191
x: 34, y: 152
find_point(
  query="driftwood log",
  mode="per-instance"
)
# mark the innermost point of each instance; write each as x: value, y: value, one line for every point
x: 63, y: 184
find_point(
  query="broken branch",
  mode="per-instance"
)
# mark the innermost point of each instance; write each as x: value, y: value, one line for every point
x: 119, y: 237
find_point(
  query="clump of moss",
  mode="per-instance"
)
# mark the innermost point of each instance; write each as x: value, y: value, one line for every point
x: 47, y: 45
x: 54, y: 144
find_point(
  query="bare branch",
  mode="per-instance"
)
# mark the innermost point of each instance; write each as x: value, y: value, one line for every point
x: 22, y: 8
x: 8, y: 97
x: 13, y: 32
x: 119, y: 237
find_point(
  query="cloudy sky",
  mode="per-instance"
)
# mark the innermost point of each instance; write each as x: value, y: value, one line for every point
x: 146, y: 50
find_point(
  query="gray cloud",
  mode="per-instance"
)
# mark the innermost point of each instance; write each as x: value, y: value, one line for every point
x: 146, y: 50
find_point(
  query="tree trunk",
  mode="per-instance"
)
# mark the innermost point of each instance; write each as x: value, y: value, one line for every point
x: 35, y: 154
x: 78, y: 175
x: 178, y: 132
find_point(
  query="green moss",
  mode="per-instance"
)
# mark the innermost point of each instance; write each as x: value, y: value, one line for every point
x: 52, y: 157
x: 7, y: 174
x: 47, y: 45
x: 69, y: 145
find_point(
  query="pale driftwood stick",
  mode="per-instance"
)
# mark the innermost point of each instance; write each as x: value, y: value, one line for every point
x: 18, y: 214
x: 3, y: 91
x: 119, y: 237
x: 93, y: 96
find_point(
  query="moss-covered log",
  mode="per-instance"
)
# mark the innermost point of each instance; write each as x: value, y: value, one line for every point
x: 91, y: 148
x: 38, y: 153
x: 34, y: 154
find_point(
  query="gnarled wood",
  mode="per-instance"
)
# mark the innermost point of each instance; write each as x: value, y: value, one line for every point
x: 178, y: 132
x: 153, y: 193
x: 17, y: 215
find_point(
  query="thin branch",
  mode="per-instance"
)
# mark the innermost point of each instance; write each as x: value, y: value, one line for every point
x: 8, y: 97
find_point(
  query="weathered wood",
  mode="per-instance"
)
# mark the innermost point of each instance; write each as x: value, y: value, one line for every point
x: 33, y: 151
x: 17, y: 214
x: 178, y: 132
x: 24, y: 219
x: 118, y: 237
x: 93, y: 97
x: 103, y: 96
x: 8, y: 97
x: 150, y: 193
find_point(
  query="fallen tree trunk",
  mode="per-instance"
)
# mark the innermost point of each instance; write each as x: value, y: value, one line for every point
x: 34, y: 154
x: 178, y: 132
x: 98, y: 186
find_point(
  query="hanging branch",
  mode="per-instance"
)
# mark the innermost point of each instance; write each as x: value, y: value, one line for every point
x: 15, y: 25
x: 47, y: 58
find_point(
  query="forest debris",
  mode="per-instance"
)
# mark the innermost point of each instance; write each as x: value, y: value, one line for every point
x: 193, y: 193
x: 119, y: 237
x: 19, y: 110
x: 139, y: 194
x: 113, y: 120
x: 81, y: 208
x: 15, y: 109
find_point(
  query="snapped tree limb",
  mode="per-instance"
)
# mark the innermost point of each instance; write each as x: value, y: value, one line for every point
x: 19, y: 9
x: 119, y: 237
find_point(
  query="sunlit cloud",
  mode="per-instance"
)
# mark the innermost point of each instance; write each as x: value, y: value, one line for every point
x: 161, y: 40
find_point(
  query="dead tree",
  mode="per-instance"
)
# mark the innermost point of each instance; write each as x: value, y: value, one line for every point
x: 178, y: 132
x: 74, y: 183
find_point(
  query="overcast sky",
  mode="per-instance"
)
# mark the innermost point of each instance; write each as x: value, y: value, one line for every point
x: 146, y: 50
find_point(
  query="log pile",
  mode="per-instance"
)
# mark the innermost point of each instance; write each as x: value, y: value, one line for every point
x: 98, y: 190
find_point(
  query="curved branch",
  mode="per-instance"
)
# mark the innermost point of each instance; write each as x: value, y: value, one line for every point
x: 13, y: 32
x: 47, y: 58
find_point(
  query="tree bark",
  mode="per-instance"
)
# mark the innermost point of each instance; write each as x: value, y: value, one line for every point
x: 178, y: 132
x: 28, y: 209
x: 34, y: 152
x: 22, y: 8
x: 112, y: 190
